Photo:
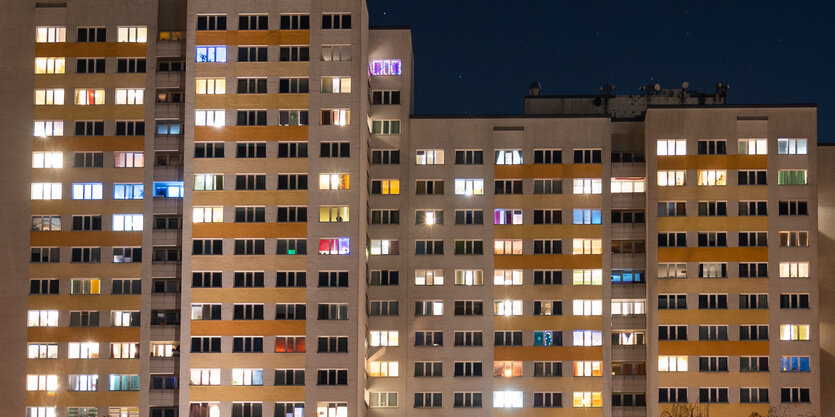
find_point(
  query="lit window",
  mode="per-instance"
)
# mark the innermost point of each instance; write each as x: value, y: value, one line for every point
x: 41, y: 382
x: 44, y: 128
x: 794, y: 269
x: 507, y: 399
x: 713, y: 177
x: 325, y: 409
x: 335, y: 246
x: 169, y: 189
x: 509, y: 157
x: 794, y: 332
x: 672, y: 147
x: 469, y: 277
x: 334, y: 181
x: 588, y: 399
x: 210, y: 54
x: 587, y: 247
x: 328, y: 214
x: 430, y: 157
x: 587, y: 338
x: 588, y: 368
x: 790, y: 364
x: 588, y: 186
x: 385, y: 127
x: 210, y: 86
x: 214, y: 118
x: 128, y: 191
x: 385, y: 187
x: 133, y: 34
x: 88, y: 191
x: 546, y: 338
x: 205, y: 377
x: 49, y: 97
x: 469, y: 187
x: 429, y: 277
x: 791, y: 146
x: 628, y: 185
x: 336, y: 85
x: 384, y: 338
x: 588, y: 277
x: 208, y: 182
x: 42, y: 318
x: 587, y: 216
x: 47, y: 159
x: 384, y: 247
x: 507, y: 247
x: 628, y: 307
x: 89, y: 350
x: 672, y: 363
x: 385, y: 67
x: 80, y: 286
x: 507, y: 369
x: 43, y: 351
x: 337, y: 117
x: 129, y: 159
x: 247, y: 376
x: 384, y: 368
x: 89, y: 96
x: 46, y: 191
x: 130, y: 95
x: 127, y: 222
x: 753, y: 147
x: 50, y: 34
x: 588, y: 307
x: 207, y: 215
x: 508, y: 308
x: 507, y: 277
x: 671, y: 178
x: 791, y: 177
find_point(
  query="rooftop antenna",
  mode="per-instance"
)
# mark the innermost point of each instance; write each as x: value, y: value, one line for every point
x: 607, y: 89
x: 684, y: 86
x: 535, y: 89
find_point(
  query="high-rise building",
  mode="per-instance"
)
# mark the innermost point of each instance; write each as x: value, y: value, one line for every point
x: 227, y: 208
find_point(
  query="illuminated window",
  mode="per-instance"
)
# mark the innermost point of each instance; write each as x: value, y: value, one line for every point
x: 216, y: 118
x: 628, y: 185
x: 507, y: 247
x: 753, y: 147
x: 383, y: 368
x: 429, y: 157
x: 336, y: 52
x: 794, y: 332
x: 208, y: 182
x: 588, y: 399
x: 44, y: 128
x: 507, y: 216
x: 507, y: 399
x: 42, y: 318
x: 89, y: 350
x: 205, y: 377
x: 210, y: 54
x: 133, y: 34
x: 545, y: 338
x: 793, y: 364
x: 509, y: 157
x: 41, y: 382
x: 508, y: 308
x: 384, y: 247
x: 89, y: 97
x: 588, y: 277
x: 507, y: 369
x: 587, y: 216
x: 43, y: 351
x: 587, y: 338
x: 588, y: 186
x: 628, y: 307
x: 334, y: 181
x: 247, y: 376
x: 130, y: 95
x: 336, y: 85
x: 47, y: 159
x: 469, y: 277
x: 80, y: 286
x: 587, y: 247
x: 429, y: 308
x: 86, y: 382
x: 794, y: 239
x: 429, y: 277
x: 713, y: 177
x: 794, y: 269
x: 49, y: 97
x: 588, y: 307
x: 50, y: 34
x: 385, y: 127
x: 385, y: 187
x: 469, y: 187
x: 335, y: 246
x: 128, y: 191
x: 207, y: 215
x: 384, y: 338
x: 507, y: 277
x: 791, y: 146
x: 672, y: 147
x: 326, y: 409
x: 672, y: 363
x: 329, y: 214
x: 429, y: 217
x: 792, y: 177
x: 671, y: 178
x: 385, y: 67
x: 89, y: 191
x: 337, y: 117
x: 46, y: 191
x: 210, y: 86
x: 129, y: 159
x: 588, y: 368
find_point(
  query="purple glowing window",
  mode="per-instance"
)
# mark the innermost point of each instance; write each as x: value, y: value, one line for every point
x: 385, y: 67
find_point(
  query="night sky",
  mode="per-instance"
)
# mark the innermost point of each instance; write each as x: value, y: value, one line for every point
x: 479, y: 57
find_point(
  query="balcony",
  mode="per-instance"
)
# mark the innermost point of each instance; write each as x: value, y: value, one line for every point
x: 629, y: 411
x: 165, y: 301
x: 629, y: 231
x: 171, y: 49
x: 166, y: 269
x: 633, y: 353
x: 168, y: 173
x: 171, y: 79
x: 629, y: 321
x: 633, y: 290
x: 169, y: 110
x: 168, y: 205
x: 163, y: 397
x: 629, y: 200
x: 629, y: 261
x: 163, y: 365
x: 167, y: 237
x: 165, y: 332
x: 172, y: 143
x: 629, y: 383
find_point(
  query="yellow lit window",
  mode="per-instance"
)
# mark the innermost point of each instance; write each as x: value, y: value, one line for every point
x: 588, y: 399
x: 208, y: 215
x: 429, y: 277
x: 89, y: 350
x: 133, y: 34
x: 508, y: 308
x: 671, y: 178
x: 210, y: 86
x: 588, y: 277
x: 50, y: 65
x: 85, y: 286
x: 587, y: 247
x: 49, y: 97
x: 337, y: 182
x: 794, y: 332
x: 390, y: 187
x: 383, y: 368
x: 588, y: 368
x: 794, y: 269
x: 41, y: 382
x: 753, y: 147
x: 507, y: 369
x: 89, y: 96
x: 672, y: 147
x: 469, y: 277
x: 429, y: 157
x: 507, y: 277
x: 336, y: 85
x: 384, y: 337
x: 507, y: 247
x: 50, y: 34
x: 588, y: 307
x: 672, y: 363
x: 205, y: 377
x: 329, y: 214
x: 713, y: 177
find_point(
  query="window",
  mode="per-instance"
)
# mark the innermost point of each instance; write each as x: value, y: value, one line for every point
x: 627, y: 276
x: 90, y: 65
x: 207, y: 246
x: 753, y: 208
x: 507, y: 399
x: 712, y: 147
x: 383, y: 338
x: 85, y: 286
x: 712, y: 239
x: 672, y: 240
x: 547, y: 246
x: 508, y: 186
x: 247, y: 376
x: 89, y: 128
x: 672, y: 332
x: 335, y: 85
x: 754, y: 332
x: 130, y: 65
x: 752, y: 178
x: 548, y: 186
x: 385, y: 127
x: 671, y: 178
x: 132, y: 34
x: 507, y: 277
x: 713, y: 270
x: 788, y: 364
x: 469, y: 338
x: 713, y: 364
x: 588, y: 277
x: 252, y: 22
x: 334, y: 344
x: 335, y: 149
x: 248, y: 409
x: 794, y: 301
x: 713, y: 208
x: 791, y: 146
x: 294, y: 214
x: 42, y: 383
x: 508, y: 157
x: 752, y: 239
x: 628, y: 185
x: 204, y: 376
x: 469, y: 247
x: 292, y: 181
x: 335, y: 246
x: 42, y: 255
x: 43, y: 351
x: 293, y: 85
x: 327, y: 214
x: 285, y: 279
x: 794, y: 239
x: 588, y: 307
x: 507, y: 338
x: 385, y: 157
x: 547, y: 156
x: 385, y: 187
x: 383, y: 308
x: 91, y: 34
x: 210, y: 54
x: 468, y: 308
x: 207, y: 215
x: 336, y: 52
x: 628, y: 307
x: 49, y: 97
x: 710, y: 177
x: 469, y: 157
x: 672, y: 301
x: 672, y: 147
x: 507, y: 216
x: 289, y: 344
x: 587, y: 247
x: 208, y: 182
x: 793, y: 208
x: 429, y: 157
x: 384, y: 278
x: 753, y: 147
x: 588, y: 399
x: 89, y: 97
x: 88, y: 159
x: 429, y: 277
x: 672, y: 395
x: 129, y: 159
x: 385, y: 67
x: 250, y: 182
x: 588, y: 186
x: 294, y: 22
x: 334, y: 181
x: 714, y: 332
x: 430, y: 217
x: 289, y: 377
x: 252, y: 118
x: 382, y: 399
x: 384, y: 97
x: 176, y: 128
x: 791, y: 177
x: 252, y: 53
x: 130, y: 95
x: 216, y: 118
x: 47, y: 159
x: 753, y: 363
x: 794, y: 332
x: 794, y: 270
x: 336, y: 21
x: 713, y: 395
x: 794, y: 395
x: 292, y: 150
x: 50, y: 34
x: 753, y: 395
x: 547, y: 308
x: 587, y: 156
x: 129, y: 191
x: 43, y: 286
x: 252, y: 85
x: 469, y: 187
x: 547, y: 338
x: 42, y: 318
x: 428, y: 399
x: 508, y: 308
x: 294, y: 54
x: 44, y: 128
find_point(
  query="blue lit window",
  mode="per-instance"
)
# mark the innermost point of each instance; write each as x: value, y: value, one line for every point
x: 587, y: 216
x: 211, y: 54
x: 795, y: 364
x: 128, y: 191
x: 627, y: 276
x: 384, y: 67
x: 169, y: 189
x: 169, y: 128
x: 547, y: 338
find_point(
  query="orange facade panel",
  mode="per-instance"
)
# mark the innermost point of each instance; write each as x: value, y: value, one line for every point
x: 70, y: 111
x: 696, y: 223
x: 241, y: 393
x: 252, y: 37
x: 83, y: 302
x: 90, y: 143
x: 548, y: 171
x: 247, y: 327
x: 697, y: 317
x: 249, y: 230
x: 88, y: 238
x: 713, y: 162
x: 251, y: 101
x: 259, y: 133
x: 254, y: 198
x: 248, y: 295
x: 719, y: 348
x: 82, y: 49
x: 712, y: 254
x: 548, y: 261
x: 546, y: 231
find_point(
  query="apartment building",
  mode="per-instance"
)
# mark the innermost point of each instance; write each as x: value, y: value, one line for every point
x: 307, y: 245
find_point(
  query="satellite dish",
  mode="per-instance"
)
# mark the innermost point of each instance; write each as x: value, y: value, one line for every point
x: 656, y: 87
x: 685, y: 85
